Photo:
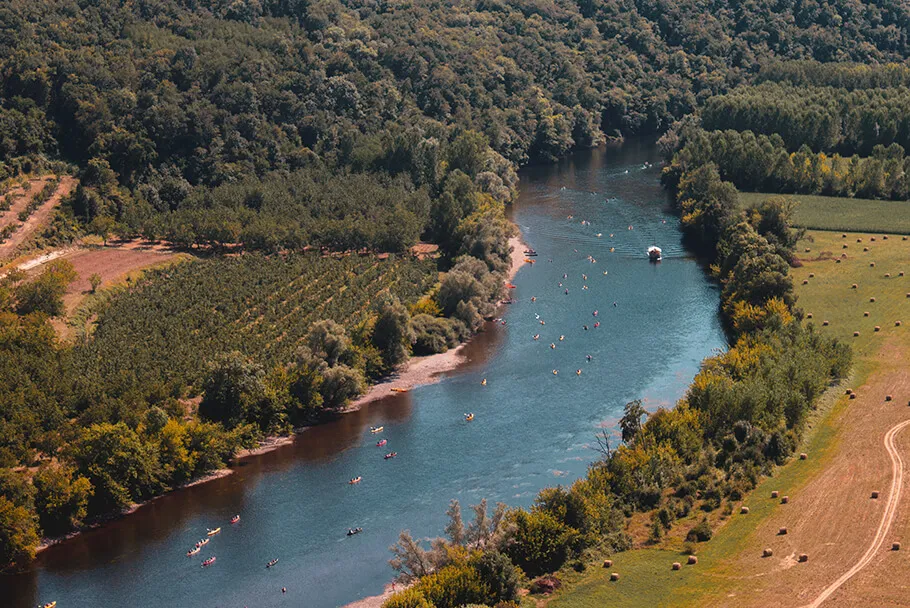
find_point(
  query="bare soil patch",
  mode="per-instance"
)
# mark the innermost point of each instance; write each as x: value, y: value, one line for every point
x: 37, y: 219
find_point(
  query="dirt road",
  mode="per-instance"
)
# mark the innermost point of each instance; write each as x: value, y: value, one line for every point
x: 40, y: 217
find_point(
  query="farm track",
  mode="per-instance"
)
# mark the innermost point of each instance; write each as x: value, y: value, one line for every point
x: 894, y: 496
x: 41, y: 215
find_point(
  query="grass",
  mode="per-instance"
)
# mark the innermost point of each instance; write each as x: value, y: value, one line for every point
x: 646, y: 578
x: 838, y: 213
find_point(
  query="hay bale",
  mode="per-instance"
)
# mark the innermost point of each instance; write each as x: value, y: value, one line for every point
x: 677, y: 565
x: 885, y: 237
x: 853, y: 395
x: 784, y: 500
x: 878, y: 328
x: 824, y: 324
x: 809, y: 316
x: 872, y: 299
x: 775, y: 494
x: 859, y: 240
x: 608, y: 563
x: 897, y: 323
x: 803, y: 456
x: 856, y: 334
x: 901, y: 273
x: 865, y: 313
x: 895, y: 546
x: 811, y: 275
x: 843, y: 236
x: 848, y: 391
x: 888, y: 397
x: 614, y: 576
x: 846, y: 246
x: 837, y: 261
x: 854, y: 286
x: 904, y: 239
x: 872, y: 239
x: 692, y: 560
x: 805, y: 281
x: 874, y: 493
x: 871, y: 264
x: 744, y: 510
x: 803, y: 558
x: 782, y: 532
x: 808, y: 250
x: 767, y: 553
x: 887, y: 275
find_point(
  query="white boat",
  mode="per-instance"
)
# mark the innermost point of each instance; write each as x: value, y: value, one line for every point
x: 654, y: 253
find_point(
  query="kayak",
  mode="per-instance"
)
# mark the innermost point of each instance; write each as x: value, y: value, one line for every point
x: 376, y: 429
x: 397, y: 389
x: 213, y: 532
x: 50, y: 604
x: 469, y: 417
x: 353, y: 531
x: 204, y: 541
x: 356, y: 480
x: 382, y: 442
x: 391, y: 455
x: 272, y: 563
x: 209, y: 561
x: 235, y: 519
x: 193, y: 551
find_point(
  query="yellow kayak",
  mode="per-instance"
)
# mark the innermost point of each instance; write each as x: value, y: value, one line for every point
x: 376, y: 429
x: 51, y: 604
x: 469, y: 417
x: 214, y: 532
x: 399, y: 390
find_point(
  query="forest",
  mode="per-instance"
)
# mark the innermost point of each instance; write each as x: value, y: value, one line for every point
x: 269, y: 128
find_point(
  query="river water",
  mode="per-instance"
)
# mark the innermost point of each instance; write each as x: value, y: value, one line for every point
x: 532, y: 428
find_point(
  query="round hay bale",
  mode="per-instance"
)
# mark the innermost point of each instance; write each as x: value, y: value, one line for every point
x: 865, y: 249
x: 865, y: 313
x: 878, y: 328
x: 744, y: 510
x: 908, y: 294
x: 871, y: 264
x: 848, y: 391
x: 885, y: 237
x: 805, y: 281
x: 843, y: 236
x: 854, y: 286
x: 887, y: 275
x: 901, y: 273
x: 837, y: 261
x: 614, y: 576
x: 803, y: 456
x: 872, y: 299
x: 677, y: 565
x: 782, y: 532
x: 874, y: 493
x: 872, y: 239
x: 811, y: 275
x: 809, y: 316
x: 853, y: 395
x: 859, y: 240
x: 846, y: 246
x: 784, y: 500
x: 803, y: 558
x: 895, y: 546
x: 824, y: 323
x: 692, y: 560
x: 904, y: 239
x: 888, y: 398
x: 856, y: 334
x: 808, y: 250
x: 608, y: 563
x: 767, y: 553
x: 897, y: 323
x: 775, y: 494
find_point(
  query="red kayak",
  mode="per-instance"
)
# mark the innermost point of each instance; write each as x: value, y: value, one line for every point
x: 381, y: 443
x: 391, y: 455
x: 209, y: 561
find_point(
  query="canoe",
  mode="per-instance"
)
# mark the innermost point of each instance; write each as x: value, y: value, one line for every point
x: 209, y: 561
x: 376, y: 429
x: 193, y: 551
x: 213, y: 532
x: 396, y: 389
x: 356, y: 480
x: 235, y: 519
x: 272, y: 563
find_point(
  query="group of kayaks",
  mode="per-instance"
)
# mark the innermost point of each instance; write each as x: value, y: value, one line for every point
x: 209, y: 533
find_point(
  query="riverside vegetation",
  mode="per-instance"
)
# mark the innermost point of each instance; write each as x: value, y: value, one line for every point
x: 268, y: 128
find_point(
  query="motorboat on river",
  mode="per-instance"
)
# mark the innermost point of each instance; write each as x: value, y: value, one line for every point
x: 654, y: 253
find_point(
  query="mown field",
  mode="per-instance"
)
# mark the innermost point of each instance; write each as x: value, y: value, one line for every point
x: 838, y: 213
x: 162, y: 331
x: 646, y: 577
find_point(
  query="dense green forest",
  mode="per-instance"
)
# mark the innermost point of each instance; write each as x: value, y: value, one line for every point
x: 282, y: 125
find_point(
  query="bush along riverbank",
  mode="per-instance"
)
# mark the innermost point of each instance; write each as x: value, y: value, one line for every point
x: 194, y: 364
x: 683, y: 467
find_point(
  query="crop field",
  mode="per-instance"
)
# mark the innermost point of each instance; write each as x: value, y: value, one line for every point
x: 162, y: 331
x: 838, y: 213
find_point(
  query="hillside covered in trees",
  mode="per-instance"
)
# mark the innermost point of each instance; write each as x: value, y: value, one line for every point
x: 283, y: 125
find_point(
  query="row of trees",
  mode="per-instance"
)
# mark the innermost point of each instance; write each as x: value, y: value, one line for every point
x: 828, y: 119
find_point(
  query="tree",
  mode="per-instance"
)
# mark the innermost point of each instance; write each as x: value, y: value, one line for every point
x: 232, y: 389
x: 95, y: 281
x: 630, y: 423
x: 61, y: 499
x: 329, y: 340
x: 537, y: 542
x: 340, y: 384
x: 392, y: 334
x: 455, y: 528
x: 45, y: 293
x: 499, y: 575
x: 18, y: 535
x: 155, y: 419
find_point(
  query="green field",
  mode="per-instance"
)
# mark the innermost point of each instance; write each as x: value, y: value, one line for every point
x: 162, y: 331
x: 837, y: 213
x: 646, y: 578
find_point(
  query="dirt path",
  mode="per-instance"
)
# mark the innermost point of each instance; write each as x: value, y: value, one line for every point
x: 40, y: 216
x: 21, y: 196
x: 894, y: 496
x: 846, y: 534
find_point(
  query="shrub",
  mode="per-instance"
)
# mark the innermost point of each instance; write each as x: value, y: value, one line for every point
x: 701, y: 532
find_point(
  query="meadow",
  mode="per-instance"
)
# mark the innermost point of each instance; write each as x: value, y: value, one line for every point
x: 839, y: 213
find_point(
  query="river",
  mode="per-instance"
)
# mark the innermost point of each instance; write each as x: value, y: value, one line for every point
x: 532, y: 428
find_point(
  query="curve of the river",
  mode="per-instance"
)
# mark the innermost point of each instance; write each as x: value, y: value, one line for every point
x: 532, y: 428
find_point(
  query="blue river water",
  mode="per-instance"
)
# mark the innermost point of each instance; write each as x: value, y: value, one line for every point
x: 532, y: 428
